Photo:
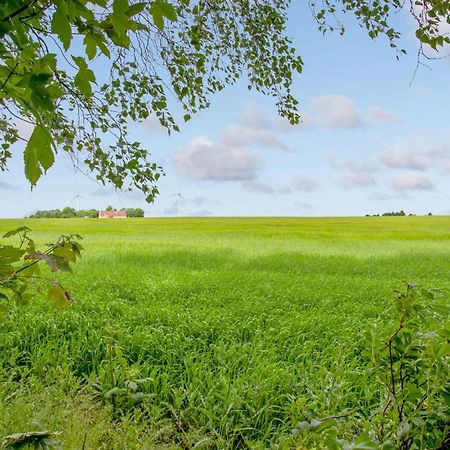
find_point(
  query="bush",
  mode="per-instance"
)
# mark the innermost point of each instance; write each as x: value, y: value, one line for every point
x: 412, y: 369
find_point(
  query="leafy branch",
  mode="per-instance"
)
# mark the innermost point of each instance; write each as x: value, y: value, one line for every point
x: 19, y: 266
x: 413, y: 371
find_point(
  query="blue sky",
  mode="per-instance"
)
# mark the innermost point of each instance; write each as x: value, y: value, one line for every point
x: 369, y: 142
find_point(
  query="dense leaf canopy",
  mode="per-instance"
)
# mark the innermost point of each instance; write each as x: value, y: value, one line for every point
x: 80, y: 72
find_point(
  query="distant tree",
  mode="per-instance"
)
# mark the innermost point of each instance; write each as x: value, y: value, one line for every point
x: 65, y: 213
x: 109, y: 208
x: 134, y: 212
x: 68, y: 212
x: 81, y: 213
x: 399, y: 213
x: 430, y: 214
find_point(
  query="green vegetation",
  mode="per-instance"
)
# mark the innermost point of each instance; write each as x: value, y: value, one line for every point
x: 225, y: 333
x: 395, y: 213
x: 68, y: 212
x: 65, y: 213
x: 19, y: 266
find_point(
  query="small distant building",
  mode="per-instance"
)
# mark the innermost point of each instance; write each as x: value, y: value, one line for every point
x: 112, y: 214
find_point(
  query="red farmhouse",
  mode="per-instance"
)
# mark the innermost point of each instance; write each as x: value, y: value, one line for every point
x: 112, y: 214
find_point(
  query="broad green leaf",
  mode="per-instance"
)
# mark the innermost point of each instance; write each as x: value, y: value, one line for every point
x: 92, y: 41
x: 38, y: 154
x: 55, y: 262
x: 120, y: 22
x: 168, y: 10
x: 61, y: 26
x: 136, y: 8
x: 160, y: 9
x: 10, y: 255
x: 58, y: 294
x: 157, y: 14
x: 120, y: 6
x: 65, y: 252
x: 16, y: 231
x: 84, y: 77
x: 91, y: 46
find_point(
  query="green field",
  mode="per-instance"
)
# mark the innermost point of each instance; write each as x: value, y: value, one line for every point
x: 221, y: 333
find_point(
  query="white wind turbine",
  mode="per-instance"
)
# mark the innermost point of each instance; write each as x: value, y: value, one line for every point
x: 180, y: 198
x: 77, y: 201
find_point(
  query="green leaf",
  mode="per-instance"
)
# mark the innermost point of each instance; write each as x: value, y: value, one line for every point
x: 55, y: 262
x: 91, y: 46
x: 92, y: 41
x: 84, y: 77
x: 61, y: 26
x: 58, y: 294
x: 168, y: 10
x: 9, y: 254
x: 65, y: 252
x: 444, y: 349
x: 16, y: 231
x: 136, y: 8
x: 120, y: 6
x: 38, y: 154
x: 160, y: 9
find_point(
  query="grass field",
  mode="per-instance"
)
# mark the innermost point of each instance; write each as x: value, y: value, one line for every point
x: 218, y: 333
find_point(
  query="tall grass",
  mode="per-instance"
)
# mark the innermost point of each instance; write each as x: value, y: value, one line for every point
x: 220, y: 333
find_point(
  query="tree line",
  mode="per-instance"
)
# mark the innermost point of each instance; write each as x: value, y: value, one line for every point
x: 68, y: 212
x: 394, y: 213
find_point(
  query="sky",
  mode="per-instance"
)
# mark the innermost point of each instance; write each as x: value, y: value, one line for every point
x: 374, y: 137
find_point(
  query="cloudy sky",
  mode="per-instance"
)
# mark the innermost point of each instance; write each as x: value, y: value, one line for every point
x: 371, y: 141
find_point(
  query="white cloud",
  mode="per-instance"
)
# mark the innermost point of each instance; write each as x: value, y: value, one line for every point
x: 201, y: 200
x: 237, y: 136
x: 401, y: 158
x: 420, y: 153
x: 264, y: 188
x: 4, y: 186
x: 412, y: 181
x: 382, y: 196
x: 153, y: 125
x: 358, y: 180
x: 303, y: 205
x: 439, y: 150
x: 333, y: 111
x: 203, y: 159
x: 302, y: 183
x: 378, y: 116
x: 326, y: 111
x: 107, y: 191
x: 379, y: 196
x: 253, y: 117
x: 184, y: 206
x: 354, y: 166
x: 284, y: 190
x: 258, y: 186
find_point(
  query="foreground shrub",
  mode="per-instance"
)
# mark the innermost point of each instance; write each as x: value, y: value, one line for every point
x: 411, y: 368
